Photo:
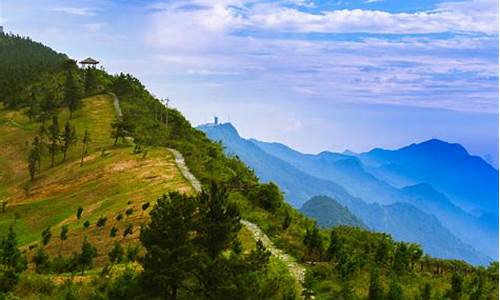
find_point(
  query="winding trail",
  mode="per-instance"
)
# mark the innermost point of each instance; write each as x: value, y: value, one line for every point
x: 295, y: 269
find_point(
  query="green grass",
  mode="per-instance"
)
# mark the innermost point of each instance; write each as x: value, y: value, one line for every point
x: 104, y: 186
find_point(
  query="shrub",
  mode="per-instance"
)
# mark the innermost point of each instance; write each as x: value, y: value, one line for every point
x: 101, y: 222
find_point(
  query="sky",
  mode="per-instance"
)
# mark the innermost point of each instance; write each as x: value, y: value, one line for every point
x: 315, y: 75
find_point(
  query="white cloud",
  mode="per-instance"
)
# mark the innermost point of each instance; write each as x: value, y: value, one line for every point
x: 76, y: 11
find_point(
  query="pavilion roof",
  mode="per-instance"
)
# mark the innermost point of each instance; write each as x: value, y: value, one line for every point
x: 89, y: 61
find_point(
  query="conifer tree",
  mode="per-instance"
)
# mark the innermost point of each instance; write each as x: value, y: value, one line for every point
x: 313, y: 243
x: 54, y: 138
x: 395, y: 290
x: 12, y: 262
x: 63, y: 236
x: 46, y: 235
x: 79, y: 212
x: 116, y: 254
x: 375, y: 289
x: 85, y: 144
x: 86, y: 255
x: 71, y: 93
x: 68, y: 138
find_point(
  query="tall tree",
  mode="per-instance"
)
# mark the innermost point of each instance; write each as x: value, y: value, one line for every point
x: 91, y: 81
x: 395, y: 290
x: 46, y: 235
x: 12, y: 262
x: 85, y: 144
x: 375, y: 291
x: 313, y: 242
x: 68, y: 138
x: 86, y: 255
x: 71, y: 93
x: 54, y: 139
x: 63, y: 236
x: 455, y: 293
x: 168, y: 239
x: 119, y: 129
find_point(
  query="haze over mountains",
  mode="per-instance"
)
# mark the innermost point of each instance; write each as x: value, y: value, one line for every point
x: 433, y: 193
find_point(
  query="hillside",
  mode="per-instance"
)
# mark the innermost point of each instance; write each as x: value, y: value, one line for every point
x: 329, y: 213
x: 105, y: 186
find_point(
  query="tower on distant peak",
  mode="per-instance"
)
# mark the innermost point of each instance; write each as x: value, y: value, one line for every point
x: 216, y: 120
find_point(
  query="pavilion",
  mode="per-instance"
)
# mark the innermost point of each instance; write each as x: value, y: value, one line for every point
x: 88, y: 62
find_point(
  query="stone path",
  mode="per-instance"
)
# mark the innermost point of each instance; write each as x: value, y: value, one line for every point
x: 295, y: 269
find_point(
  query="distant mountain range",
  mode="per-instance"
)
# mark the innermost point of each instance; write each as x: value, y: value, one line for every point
x: 415, y: 212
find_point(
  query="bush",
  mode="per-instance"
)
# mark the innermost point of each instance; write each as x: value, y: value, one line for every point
x: 101, y: 222
x: 86, y: 224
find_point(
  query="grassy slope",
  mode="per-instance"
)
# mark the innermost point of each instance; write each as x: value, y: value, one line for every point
x: 105, y: 186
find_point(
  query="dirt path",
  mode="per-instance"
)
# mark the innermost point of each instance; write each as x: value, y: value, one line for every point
x: 295, y: 269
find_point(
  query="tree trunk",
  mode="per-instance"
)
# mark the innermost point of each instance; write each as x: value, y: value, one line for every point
x: 83, y: 155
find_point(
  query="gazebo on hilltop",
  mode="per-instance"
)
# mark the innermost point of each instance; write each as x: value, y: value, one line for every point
x: 89, y: 62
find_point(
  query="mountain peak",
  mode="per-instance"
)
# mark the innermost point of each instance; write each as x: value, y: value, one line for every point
x: 438, y: 146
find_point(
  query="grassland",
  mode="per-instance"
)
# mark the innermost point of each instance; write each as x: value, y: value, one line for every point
x: 111, y: 181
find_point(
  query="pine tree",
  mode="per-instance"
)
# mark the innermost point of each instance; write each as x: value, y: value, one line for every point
x: 63, y: 236
x: 313, y: 243
x: 46, y: 235
x: 54, y: 138
x: 79, y: 212
x: 456, y: 287
x: 68, y: 138
x: 90, y: 81
x: 168, y: 238
x: 116, y: 254
x: 41, y: 260
x: 12, y: 262
x: 86, y: 255
x: 375, y: 289
x: 34, y: 158
x: 71, y: 93
x: 85, y: 144
x: 395, y: 290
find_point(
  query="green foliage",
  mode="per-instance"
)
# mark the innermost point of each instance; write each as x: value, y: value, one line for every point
x: 69, y: 138
x: 101, y: 222
x: 79, y: 212
x: 86, y: 256
x: 395, y: 291
x: 12, y: 262
x: 116, y: 253
x: 128, y: 230
x: 193, y: 236
x: 267, y: 196
x: 113, y: 231
x: 314, y: 243
x: 375, y: 291
x: 23, y: 62
x: 46, y: 235
x: 86, y: 224
x: 41, y: 260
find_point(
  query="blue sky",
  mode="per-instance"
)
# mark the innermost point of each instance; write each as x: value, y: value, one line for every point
x: 316, y: 75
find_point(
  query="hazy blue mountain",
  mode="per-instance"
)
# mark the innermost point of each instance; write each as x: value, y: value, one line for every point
x: 468, y: 181
x: 350, y: 173
x: 329, y: 213
x: 346, y: 170
x: 470, y: 229
x: 402, y: 220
